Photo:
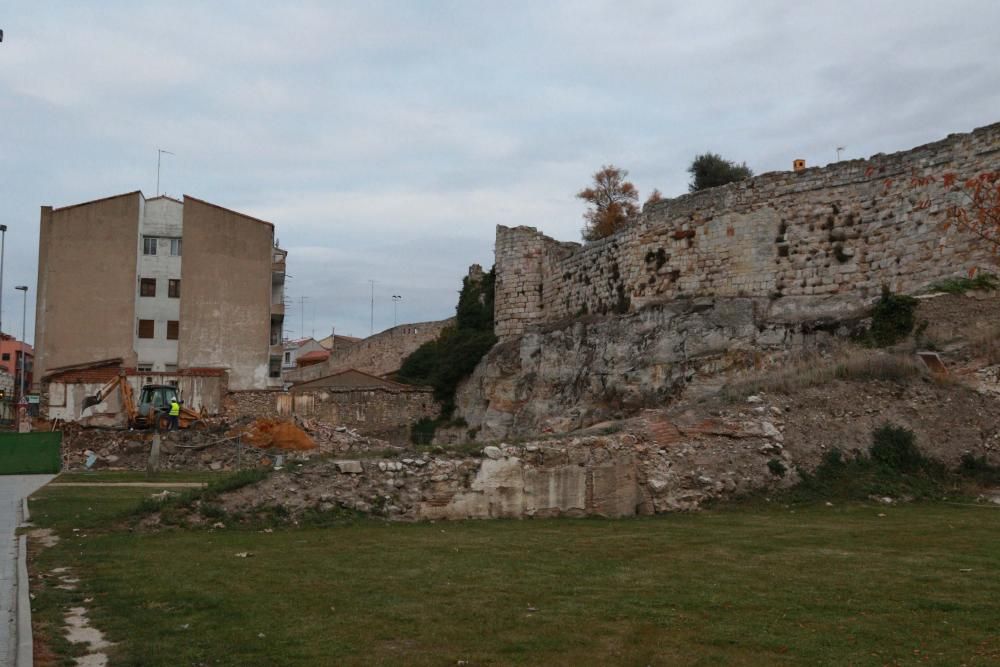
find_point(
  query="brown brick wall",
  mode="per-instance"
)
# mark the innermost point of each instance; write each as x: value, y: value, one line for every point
x: 85, y: 308
x: 226, y: 302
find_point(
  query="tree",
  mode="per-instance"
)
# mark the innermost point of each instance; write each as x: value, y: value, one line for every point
x: 613, y: 203
x: 445, y: 361
x: 654, y: 197
x: 977, y: 209
x: 711, y: 170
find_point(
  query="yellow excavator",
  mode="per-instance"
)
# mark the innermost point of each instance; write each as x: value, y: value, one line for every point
x: 153, y: 406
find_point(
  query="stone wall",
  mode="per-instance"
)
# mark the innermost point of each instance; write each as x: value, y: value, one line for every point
x: 851, y: 227
x: 377, y: 355
x: 376, y: 411
x: 253, y: 404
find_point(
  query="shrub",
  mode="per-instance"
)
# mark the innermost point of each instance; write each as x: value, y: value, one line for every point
x: 776, y: 467
x: 895, y: 448
x: 979, y: 469
x: 983, y: 281
x: 892, y: 319
x: 422, y: 432
x: 710, y: 170
x: 833, y: 459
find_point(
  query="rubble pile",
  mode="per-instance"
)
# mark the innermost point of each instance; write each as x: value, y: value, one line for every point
x: 650, y: 466
x: 211, y: 444
x: 668, y: 459
x: 277, y: 434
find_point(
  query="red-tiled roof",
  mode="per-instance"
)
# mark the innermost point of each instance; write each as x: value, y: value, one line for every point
x: 315, y: 355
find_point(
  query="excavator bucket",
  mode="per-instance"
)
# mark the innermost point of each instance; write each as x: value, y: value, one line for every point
x: 89, y: 401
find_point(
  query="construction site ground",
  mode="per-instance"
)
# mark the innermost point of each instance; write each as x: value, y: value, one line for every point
x: 214, y: 445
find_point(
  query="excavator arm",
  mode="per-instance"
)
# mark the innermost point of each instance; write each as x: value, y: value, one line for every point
x: 102, y: 393
x: 119, y: 382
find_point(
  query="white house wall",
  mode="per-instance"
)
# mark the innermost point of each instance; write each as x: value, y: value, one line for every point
x: 161, y: 218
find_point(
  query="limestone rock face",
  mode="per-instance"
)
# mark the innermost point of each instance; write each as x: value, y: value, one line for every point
x: 600, y: 368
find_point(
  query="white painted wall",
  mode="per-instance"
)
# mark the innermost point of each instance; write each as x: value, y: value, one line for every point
x: 162, y: 218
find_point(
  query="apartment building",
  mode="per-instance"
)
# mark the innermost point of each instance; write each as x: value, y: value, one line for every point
x: 166, y: 285
x: 16, y: 358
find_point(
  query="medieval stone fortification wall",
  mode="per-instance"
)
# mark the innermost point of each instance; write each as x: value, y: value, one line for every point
x: 848, y: 228
x: 379, y: 355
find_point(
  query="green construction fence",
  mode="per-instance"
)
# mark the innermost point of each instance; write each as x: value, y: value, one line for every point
x: 30, y: 453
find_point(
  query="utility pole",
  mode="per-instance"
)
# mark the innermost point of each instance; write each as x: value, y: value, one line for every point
x: 371, y: 323
x: 159, y: 153
x: 840, y: 149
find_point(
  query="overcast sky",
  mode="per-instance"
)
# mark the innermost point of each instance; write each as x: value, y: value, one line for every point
x: 386, y: 140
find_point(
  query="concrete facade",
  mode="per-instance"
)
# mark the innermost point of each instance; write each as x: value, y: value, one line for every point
x: 201, y: 274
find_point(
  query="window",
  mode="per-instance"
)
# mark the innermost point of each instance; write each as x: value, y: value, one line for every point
x: 175, y: 247
x: 6, y: 356
x: 149, y: 245
x: 147, y: 286
x: 288, y: 357
x: 146, y: 368
x: 146, y: 328
x: 170, y: 368
x: 174, y: 288
x: 173, y: 328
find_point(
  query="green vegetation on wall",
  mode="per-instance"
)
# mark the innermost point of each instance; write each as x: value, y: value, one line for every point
x: 983, y: 281
x: 443, y: 363
x: 893, y: 319
x: 892, y: 467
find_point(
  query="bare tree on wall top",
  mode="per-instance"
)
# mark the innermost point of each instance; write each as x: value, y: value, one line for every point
x: 613, y: 203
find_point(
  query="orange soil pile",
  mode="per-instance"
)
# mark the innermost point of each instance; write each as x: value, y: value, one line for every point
x: 275, y: 434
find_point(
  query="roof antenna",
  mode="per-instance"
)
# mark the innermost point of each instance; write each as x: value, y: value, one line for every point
x: 159, y: 153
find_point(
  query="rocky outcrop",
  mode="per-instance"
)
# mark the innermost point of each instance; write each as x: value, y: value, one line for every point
x: 597, y: 368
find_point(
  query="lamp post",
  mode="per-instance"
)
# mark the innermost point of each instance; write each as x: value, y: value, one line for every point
x: 395, y: 300
x: 24, y: 329
x: 3, y: 238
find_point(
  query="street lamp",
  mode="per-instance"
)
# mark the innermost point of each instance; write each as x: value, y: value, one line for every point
x: 24, y: 329
x: 395, y: 300
x: 3, y: 238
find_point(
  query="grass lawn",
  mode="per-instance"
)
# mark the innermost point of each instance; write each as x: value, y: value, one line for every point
x: 818, y: 585
x: 135, y: 476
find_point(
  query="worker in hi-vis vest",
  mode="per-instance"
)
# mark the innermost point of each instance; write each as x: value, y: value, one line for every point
x: 175, y: 413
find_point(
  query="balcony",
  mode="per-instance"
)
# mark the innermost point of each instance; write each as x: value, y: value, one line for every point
x: 277, y: 309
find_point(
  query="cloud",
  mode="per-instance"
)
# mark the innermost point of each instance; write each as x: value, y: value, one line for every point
x: 387, y: 139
